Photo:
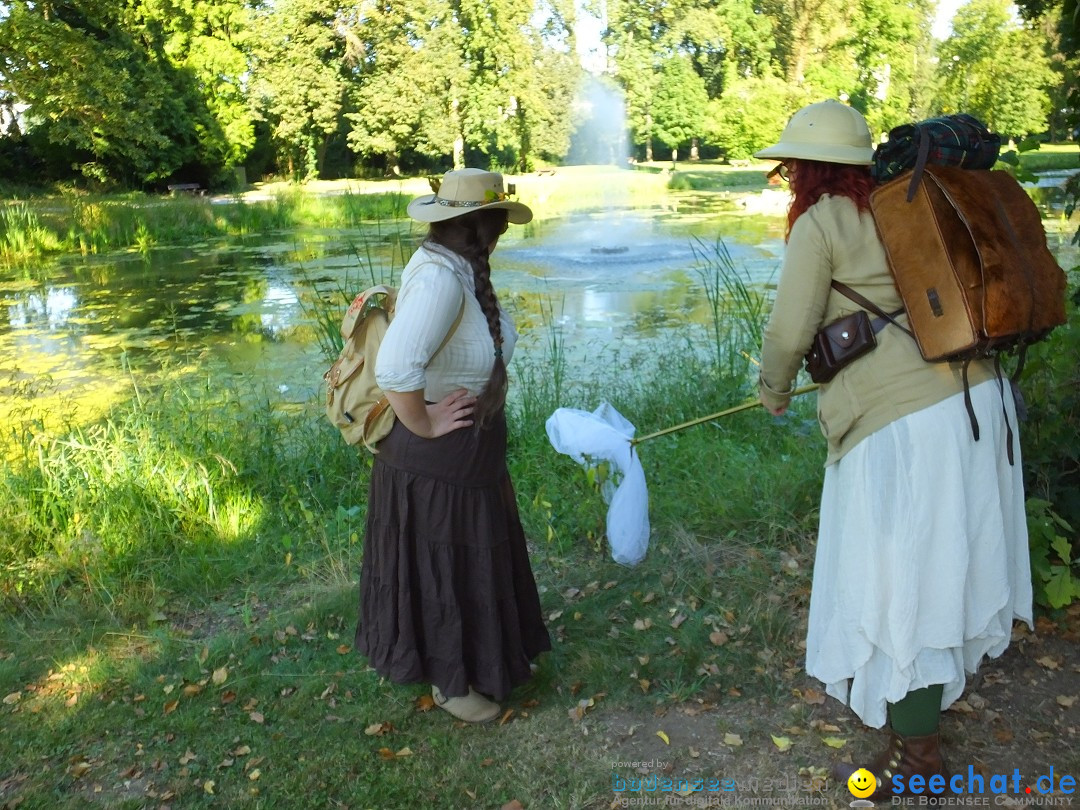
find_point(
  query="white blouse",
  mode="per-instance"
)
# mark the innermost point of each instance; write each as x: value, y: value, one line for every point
x: 433, y: 285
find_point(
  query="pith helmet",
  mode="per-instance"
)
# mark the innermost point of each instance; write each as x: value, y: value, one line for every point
x: 830, y: 131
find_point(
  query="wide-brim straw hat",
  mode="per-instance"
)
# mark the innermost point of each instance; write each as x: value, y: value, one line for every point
x: 830, y: 131
x: 464, y: 190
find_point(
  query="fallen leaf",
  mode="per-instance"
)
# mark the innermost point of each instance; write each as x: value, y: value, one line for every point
x: 962, y: 706
x: 221, y: 674
x: 1047, y: 662
x: 241, y: 751
x: 79, y: 769
x: 834, y: 742
x: 678, y: 620
x: 663, y: 737
x: 1003, y: 735
x: 208, y: 786
x: 813, y: 696
x: 71, y: 701
x: 343, y: 649
x: 257, y: 717
x: 642, y: 624
x: 404, y: 752
x: 378, y: 729
x: 513, y: 804
x: 227, y: 697
x: 170, y: 707
x: 204, y: 653
x: 506, y: 717
x: 781, y: 743
x: 733, y: 740
x: 255, y: 774
x: 191, y: 690
x: 189, y: 756
x: 425, y: 703
x: 12, y: 698
x: 1066, y: 700
x: 693, y: 753
x: 644, y: 683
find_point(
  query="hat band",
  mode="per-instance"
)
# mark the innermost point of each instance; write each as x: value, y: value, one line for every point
x: 489, y: 198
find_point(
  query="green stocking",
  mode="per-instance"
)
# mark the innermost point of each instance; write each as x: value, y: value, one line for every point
x: 918, y: 714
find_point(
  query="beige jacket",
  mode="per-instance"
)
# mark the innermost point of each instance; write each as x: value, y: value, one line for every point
x: 832, y: 240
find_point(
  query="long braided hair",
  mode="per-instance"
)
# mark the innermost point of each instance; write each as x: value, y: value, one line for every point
x: 470, y: 236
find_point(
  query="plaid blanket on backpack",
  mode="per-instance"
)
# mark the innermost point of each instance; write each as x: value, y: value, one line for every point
x: 950, y: 140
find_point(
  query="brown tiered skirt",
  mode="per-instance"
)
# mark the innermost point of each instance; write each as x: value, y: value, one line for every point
x: 447, y: 594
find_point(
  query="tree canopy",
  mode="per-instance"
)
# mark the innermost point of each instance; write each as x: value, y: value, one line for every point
x: 145, y: 92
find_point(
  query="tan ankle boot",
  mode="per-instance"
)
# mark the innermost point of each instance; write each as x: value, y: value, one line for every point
x: 472, y: 708
x: 904, y: 756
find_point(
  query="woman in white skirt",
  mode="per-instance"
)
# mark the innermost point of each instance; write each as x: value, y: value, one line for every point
x: 922, y: 555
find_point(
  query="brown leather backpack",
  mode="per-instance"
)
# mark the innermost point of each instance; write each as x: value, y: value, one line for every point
x: 968, y: 252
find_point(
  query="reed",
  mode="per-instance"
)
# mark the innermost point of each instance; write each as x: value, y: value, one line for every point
x: 88, y: 225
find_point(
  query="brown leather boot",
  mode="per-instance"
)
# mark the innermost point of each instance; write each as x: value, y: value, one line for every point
x: 904, y: 756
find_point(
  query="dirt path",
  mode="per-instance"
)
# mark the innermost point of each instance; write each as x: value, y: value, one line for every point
x: 1020, y: 713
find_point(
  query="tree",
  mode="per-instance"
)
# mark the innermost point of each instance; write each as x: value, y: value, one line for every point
x: 891, y: 47
x: 208, y: 39
x: 751, y: 114
x: 298, y: 76
x: 994, y: 69
x: 406, y: 72
x: 96, y: 78
x: 679, y: 105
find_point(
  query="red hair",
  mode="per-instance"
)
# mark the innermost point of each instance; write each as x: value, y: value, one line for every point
x: 811, y: 179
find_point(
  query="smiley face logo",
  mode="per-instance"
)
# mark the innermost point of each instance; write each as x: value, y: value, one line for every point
x: 861, y: 783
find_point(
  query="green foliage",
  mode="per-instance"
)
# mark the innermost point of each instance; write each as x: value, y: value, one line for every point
x: 299, y: 67
x: 1051, y: 386
x: 678, y: 108
x: 751, y: 114
x: 995, y: 70
x: 89, y: 224
x: 1054, y: 571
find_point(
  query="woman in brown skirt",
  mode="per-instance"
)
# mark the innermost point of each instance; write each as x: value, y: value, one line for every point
x: 447, y: 596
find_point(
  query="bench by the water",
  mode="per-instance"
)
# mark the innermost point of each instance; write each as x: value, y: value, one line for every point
x: 186, y: 188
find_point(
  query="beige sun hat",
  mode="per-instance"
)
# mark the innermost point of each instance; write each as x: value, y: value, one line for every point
x: 465, y: 190
x: 830, y: 131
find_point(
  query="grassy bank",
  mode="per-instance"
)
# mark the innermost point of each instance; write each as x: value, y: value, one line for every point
x: 179, y: 590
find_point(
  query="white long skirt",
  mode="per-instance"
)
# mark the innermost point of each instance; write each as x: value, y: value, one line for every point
x: 922, y: 556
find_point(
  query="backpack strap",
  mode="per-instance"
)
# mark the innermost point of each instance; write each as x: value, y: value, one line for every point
x: 384, y: 402
x: 453, y: 328
x: 883, y: 317
x: 920, y: 162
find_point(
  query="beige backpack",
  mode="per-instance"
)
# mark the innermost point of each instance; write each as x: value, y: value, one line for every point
x: 355, y: 404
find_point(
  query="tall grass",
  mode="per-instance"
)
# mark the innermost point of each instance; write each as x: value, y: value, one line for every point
x: 186, y: 486
x: 94, y: 225
x: 739, y: 308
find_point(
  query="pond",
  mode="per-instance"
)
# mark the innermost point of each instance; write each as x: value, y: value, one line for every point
x: 89, y: 331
